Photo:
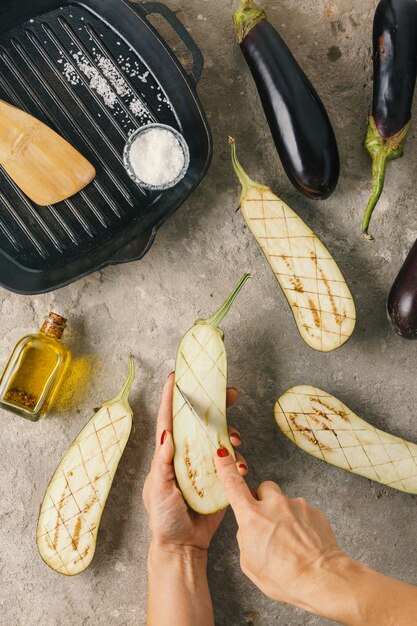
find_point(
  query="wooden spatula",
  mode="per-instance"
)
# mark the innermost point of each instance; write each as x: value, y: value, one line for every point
x: 45, y: 166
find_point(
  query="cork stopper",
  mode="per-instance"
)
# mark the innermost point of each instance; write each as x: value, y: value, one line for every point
x: 54, y: 325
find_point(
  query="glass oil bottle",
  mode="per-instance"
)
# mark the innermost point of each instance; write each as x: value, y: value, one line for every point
x: 34, y: 371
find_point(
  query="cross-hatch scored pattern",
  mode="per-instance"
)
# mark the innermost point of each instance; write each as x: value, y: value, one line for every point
x: 90, y: 432
x: 319, y: 297
x: 323, y: 426
x: 201, y: 365
x: 201, y: 371
x: 75, y: 498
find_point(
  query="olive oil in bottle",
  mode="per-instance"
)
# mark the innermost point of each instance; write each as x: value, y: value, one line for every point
x: 35, y: 370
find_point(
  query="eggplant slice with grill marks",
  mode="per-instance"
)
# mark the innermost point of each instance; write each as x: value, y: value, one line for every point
x: 323, y: 426
x: 71, y: 511
x: 201, y: 376
x: 312, y: 282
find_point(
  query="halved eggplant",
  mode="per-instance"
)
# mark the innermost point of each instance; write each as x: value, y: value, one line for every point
x: 313, y: 284
x: 326, y: 428
x: 201, y: 375
x: 71, y: 511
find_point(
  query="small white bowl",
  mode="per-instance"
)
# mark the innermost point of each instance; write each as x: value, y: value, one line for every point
x: 130, y: 170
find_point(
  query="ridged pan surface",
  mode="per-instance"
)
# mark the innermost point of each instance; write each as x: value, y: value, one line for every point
x: 94, y: 72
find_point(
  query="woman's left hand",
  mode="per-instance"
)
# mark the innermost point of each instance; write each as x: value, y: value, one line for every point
x: 173, y: 524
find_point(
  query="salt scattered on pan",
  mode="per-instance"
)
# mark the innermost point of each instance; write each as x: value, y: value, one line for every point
x: 70, y: 74
x: 143, y: 77
x: 137, y: 108
x: 156, y: 157
x: 107, y: 80
x: 110, y: 80
x: 113, y: 75
x: 97, y: 81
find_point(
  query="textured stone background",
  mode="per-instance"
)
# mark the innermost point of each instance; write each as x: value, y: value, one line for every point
x: 145, y: 307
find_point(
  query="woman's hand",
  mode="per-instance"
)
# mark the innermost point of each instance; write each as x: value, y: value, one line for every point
x: 177, y: 559
x: 172, y: 522
x: 288, y: 549
x: 286, y: 545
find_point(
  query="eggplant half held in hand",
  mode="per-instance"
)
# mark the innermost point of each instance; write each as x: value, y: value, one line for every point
x: 299, y: 124
x: 402, y: 300
x: 395, y: 68
x: 200, y: 425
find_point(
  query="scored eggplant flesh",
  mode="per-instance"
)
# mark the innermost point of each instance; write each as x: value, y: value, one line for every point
x: 323, y: 426
x: 201, y: 374
x: 311, y: 280
x: 71, y: 511
x: 194, y: 453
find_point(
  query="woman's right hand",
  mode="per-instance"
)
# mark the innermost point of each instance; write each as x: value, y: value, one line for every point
x: 287, y: 547
x: 289, y: 551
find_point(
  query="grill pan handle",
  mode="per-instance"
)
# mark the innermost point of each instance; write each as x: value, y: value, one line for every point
x: 196, y: 54
x: 136, y: 249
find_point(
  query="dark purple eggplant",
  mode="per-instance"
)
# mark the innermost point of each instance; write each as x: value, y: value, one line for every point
x: 395, y: 69
x: 402, y: 300
x: 299, y: 124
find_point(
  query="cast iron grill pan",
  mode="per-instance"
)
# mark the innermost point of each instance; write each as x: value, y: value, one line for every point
x: 94, y: 71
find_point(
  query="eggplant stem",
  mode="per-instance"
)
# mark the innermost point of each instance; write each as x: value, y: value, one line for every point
x: 123, y: 394
x: 382, y: 150
x: 244, y: 179
x: 379, y: 166
x: 246, y: 17
x: 223, y: 310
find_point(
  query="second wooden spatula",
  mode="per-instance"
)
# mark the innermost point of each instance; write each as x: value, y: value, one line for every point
x: 41, y: 163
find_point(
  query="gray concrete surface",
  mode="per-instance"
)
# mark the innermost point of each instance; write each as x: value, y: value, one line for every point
x: 145, y: 307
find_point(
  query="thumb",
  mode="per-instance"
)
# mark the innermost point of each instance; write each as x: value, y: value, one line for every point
x: 234, y: 485
x: 162, y: 465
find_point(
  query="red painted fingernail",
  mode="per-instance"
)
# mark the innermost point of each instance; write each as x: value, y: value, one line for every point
x: 242, y: 466
x: 222, y: 452
x: 163, y: 437
x: 234, y: 434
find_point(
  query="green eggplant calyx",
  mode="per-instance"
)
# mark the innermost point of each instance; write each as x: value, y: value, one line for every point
x: 244, y: 179
x: 223, y: 310
x: 246, y: 17
x: 382, y: 150
x: 123, y: 395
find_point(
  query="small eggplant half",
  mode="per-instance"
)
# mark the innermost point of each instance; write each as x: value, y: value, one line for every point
x: 298, y: 121
x: 402, y: 300
x: 395, y: 69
